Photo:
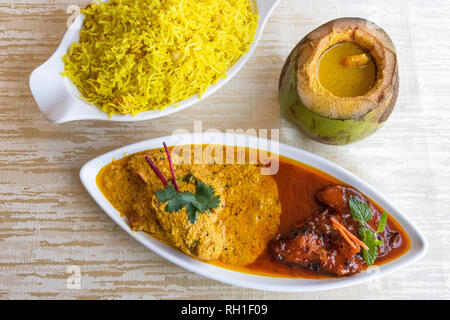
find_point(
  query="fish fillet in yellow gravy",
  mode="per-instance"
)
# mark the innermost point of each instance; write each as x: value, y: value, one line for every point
x: 235, y: 233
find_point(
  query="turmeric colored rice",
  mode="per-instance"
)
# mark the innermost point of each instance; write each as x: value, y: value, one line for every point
x: 139, y: 55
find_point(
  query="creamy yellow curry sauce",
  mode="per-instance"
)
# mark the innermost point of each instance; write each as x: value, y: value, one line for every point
x: 342, y: 80
x: 253, y: 209
x: 236, y: 233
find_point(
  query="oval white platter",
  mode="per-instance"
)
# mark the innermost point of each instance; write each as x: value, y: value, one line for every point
x: 59, y: 100
x: 418, y: 248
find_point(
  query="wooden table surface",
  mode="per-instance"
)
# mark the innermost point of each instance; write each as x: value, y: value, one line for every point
x: 49, y: 223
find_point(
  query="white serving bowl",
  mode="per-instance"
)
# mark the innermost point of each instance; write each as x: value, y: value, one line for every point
x: 59, y: 100
x: 418, y: 247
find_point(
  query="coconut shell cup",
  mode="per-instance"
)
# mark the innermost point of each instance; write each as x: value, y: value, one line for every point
x: 316, y: 111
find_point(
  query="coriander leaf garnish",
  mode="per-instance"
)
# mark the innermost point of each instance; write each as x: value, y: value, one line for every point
x: 192, y: 212
x: 359, y: 210
x: 202, y: 201
x: 166, y: 194
x: 382, y: 223
x: 205, y: 195
x: 369, y: 238
x: 175, y: 200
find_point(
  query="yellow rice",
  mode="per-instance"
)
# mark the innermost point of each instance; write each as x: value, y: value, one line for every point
x: 138, y: 55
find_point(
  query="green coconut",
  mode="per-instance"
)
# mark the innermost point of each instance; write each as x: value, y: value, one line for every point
x: 315, y: 110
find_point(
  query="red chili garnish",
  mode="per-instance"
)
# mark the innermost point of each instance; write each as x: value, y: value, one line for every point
x: 174, y: 180
x: 155, y: 168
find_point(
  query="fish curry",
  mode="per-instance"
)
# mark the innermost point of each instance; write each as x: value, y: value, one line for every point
x: 299, y: 222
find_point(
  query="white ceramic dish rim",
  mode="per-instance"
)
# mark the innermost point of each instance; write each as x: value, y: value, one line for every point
x: 59, y: 100
x: 418, y: 248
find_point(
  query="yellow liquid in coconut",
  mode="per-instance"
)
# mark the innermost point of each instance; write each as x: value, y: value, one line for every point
x: 346, y: 81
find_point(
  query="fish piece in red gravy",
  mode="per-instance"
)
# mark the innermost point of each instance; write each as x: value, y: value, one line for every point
x: 337, y: 197
x: 316, y: 245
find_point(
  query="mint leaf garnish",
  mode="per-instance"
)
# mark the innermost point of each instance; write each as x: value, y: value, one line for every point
x: 359, y: 210
x: 382, y: 223
x: 369, y: 238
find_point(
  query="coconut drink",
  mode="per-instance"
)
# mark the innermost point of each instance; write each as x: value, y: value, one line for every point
x: 340, y: 83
